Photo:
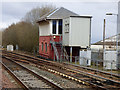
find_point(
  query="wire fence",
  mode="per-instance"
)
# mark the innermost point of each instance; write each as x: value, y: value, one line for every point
x: 98, y: 64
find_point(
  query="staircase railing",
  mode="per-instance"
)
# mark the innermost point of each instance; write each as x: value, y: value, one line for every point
x: 65, y: 53
x: 63, y: 50
x: 55, y: 48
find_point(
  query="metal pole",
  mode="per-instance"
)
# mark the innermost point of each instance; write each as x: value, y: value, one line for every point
x: 117, y: 61
x: 118, y: 22
x: 70, y: 54
x: 104, y: 40
x: 104, y: 35
x: 111, y: 69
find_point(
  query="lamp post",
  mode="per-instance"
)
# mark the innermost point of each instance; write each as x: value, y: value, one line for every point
x: 104, y: 39
x: 116, y: 36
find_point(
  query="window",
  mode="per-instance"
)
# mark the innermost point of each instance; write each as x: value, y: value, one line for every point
x: 66, y: 28
x: 60, y: 27
x: 42, y: 46
x: 45, y: 47
x: 54, y: 26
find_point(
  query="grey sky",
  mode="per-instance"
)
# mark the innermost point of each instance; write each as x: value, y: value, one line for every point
x: 12, y: 12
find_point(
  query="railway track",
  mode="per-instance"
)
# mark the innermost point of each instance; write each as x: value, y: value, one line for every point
x: 68, y: 71
x: 27, y: 78
x: 17, y: 80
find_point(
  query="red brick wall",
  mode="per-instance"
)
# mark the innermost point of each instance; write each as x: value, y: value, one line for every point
x: 50, y: 52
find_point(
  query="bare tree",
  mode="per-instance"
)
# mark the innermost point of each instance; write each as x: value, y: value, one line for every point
x: 25, y: 33
x: 33, y: 15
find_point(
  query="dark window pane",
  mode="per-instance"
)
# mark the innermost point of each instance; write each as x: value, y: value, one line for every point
x: 45, y: 47
x: 60, y: 27
x: 54, y: 26
x: 42, y: 46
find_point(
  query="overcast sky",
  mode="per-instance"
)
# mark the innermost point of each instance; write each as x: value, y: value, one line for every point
x: 12, y: 12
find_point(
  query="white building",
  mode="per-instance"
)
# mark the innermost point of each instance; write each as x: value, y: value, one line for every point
x: 110, y: 44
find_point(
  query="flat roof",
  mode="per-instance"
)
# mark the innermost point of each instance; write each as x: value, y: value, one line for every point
x: 82, y: 16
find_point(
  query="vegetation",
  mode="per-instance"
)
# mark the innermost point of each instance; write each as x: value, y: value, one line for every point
x: 25, y: 33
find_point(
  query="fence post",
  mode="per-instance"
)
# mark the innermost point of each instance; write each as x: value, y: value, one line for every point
x: 94, y: 64
x: 79, y: 60
x: 75, y: 59
x: 97, y: 65
x: 86, y: 61
x: 70, y: 54
x: 111, y: 69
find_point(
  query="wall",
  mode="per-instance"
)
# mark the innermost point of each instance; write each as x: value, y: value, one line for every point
x: 44, y: 39
x: 50, y: 52
x: 64, y: 33
x: 44, y: 28
x: 80, y: 32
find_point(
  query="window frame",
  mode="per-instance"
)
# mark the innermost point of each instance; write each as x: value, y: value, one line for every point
x: 42, y: 46
x: 67, y: 28
x: 54, y: 26
x: 45, y: 47
x: 60, y: 26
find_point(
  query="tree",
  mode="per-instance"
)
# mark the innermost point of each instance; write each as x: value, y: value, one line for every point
x: 25, y: 33
x: 9, y: 35
x: 36, y: 13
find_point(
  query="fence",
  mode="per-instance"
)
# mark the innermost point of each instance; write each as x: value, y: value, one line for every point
x: 98, y: 64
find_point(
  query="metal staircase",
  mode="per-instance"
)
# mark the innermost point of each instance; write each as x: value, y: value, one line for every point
x: 55, y: 49
x: 63, y: 51
x: 65, y: 54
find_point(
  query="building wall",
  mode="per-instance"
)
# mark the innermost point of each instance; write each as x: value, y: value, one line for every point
x: 65, y: 33
x: 100, y: 47
x: 45, y: 35
x: 44, y: 39
x: 50, y: 51
x: 80, y: 32
x: 45, y: 28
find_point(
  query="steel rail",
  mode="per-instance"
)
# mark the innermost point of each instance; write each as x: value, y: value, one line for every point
x: 95, y: 70
x: 81, y: 72
x: 75, y: 66
x: 15, y: 77
x: 70, y: 77
x: 54, y: 85
x: 69, y: 64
